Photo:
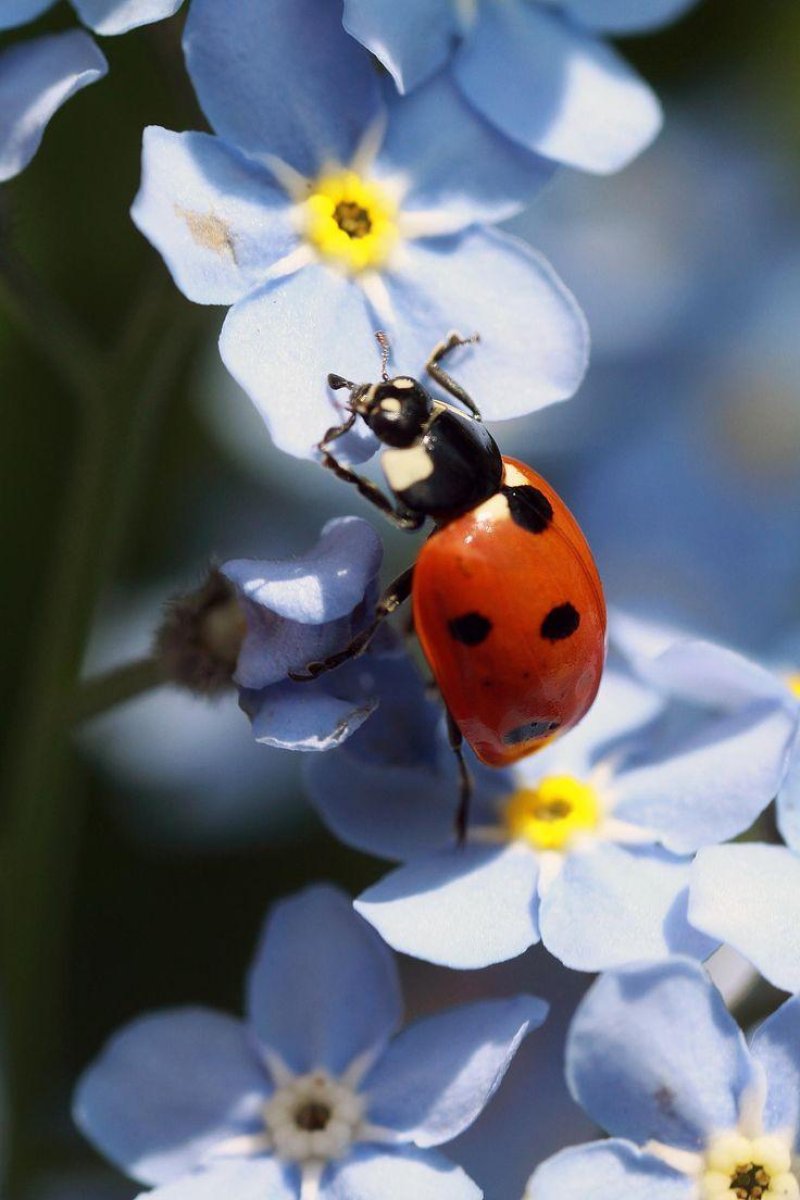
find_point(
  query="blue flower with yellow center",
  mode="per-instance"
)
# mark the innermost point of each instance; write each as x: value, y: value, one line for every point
x: 326, y: 207
x: 695, y: 1112
x: 586, y: 846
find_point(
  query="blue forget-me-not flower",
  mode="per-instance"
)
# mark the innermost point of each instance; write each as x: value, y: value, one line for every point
x: 585, y: 846
x: 747, y: 894
x: 695, y: 1112
x: 536, y: 69
x: 38, y: 76
x: 315, y: 1093
x: 326, y: 207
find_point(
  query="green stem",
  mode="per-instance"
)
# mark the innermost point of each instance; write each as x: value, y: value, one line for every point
x: 116, y: 686
x: 51, y: 328
x: 119, y: 408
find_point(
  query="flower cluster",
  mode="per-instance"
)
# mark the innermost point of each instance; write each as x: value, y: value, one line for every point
x: 357, y: 166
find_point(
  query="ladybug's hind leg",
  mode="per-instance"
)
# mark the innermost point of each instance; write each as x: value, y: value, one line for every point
x: 396, y: 594
x: 456, y: 740
x: 441, y: 376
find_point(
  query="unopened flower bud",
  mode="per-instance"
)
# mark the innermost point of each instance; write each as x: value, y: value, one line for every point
x: 200, y: 638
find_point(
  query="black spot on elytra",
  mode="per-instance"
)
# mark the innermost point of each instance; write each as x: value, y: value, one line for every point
x: 472, y: 628
x: 561, y: 622
x: 529, y: 508
x: 531, y: 729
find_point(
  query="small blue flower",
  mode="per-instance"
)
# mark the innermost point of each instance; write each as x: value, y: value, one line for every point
x: 712, y: 675
x: 38, y: 76
x: 536, y: 70
x: 695, y: 1113
x: 294, y: 612
x: 585, y: 846
x: 322, y: 211
x: 746, y: 895
x: 106, y: 17
x: 315, y: 1094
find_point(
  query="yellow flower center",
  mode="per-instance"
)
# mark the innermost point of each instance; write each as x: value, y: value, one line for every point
x: 351, y: 221
x: 554, y: 813
x: 740, y: 1168
x: 793, y: 684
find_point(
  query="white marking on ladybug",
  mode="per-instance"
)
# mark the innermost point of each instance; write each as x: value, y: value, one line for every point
x: 404, y: 468
x: 513, y: 477
x: 391, y: 405
x: 492, y: 510
x: 403, y: 381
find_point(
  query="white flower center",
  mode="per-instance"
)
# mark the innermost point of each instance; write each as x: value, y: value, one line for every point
x: 313, y: 1117
x: 742, y: 1168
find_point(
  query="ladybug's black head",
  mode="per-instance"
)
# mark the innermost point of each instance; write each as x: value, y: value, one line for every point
x: 396, y: 410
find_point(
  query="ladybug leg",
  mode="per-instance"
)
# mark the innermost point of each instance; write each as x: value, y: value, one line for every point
x: 456, y: 740
x: 441, y: 376
x: 396, y: 594
x: 402, y: 517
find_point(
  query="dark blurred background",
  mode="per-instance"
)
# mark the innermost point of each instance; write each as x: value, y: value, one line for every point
x: 680, y: 457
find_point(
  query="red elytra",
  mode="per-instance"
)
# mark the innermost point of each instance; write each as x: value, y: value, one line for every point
x: 512, y: 620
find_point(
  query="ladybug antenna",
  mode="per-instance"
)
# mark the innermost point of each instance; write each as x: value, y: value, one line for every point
x: 383, y: 342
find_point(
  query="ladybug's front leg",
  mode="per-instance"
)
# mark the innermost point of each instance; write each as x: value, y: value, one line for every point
x: 396, y: 594
x: 402, y: 517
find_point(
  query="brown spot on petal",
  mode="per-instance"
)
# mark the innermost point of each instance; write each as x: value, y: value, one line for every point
x: 209, y: 231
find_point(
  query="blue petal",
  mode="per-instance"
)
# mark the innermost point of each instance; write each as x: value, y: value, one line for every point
x: 327, y: 582
x: 323, y: 988
x: 607, y: 1171
x: 439, y: 1074
x: 282, y: 78
x: 626, y: 16
x: 370, y: 1174
x: 749, y: 896
x: 119, y: 16
x: 396, y: 812
x: 261, y: 1179
x: 704, y: 673
x: 614, y: 905
x: 274, y: 646
x: 313, y: 716
x: 554, y: 89
x: 281, y: 343
x: 412, y: 40
x: 470, y: 172
x: 464, y: 907
x: 216, y: 218
x: 621, y: 708
x: 714, y: 784
x: 534, y: 343
x: 36, y: 78
x: 19, y: 12
x: 168, y: 1089
x: 776, y: 1046
x: 788, y: 803
x: 654, y: 1054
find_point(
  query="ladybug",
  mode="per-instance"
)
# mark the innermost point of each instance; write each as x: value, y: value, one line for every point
x: 507, y: 601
